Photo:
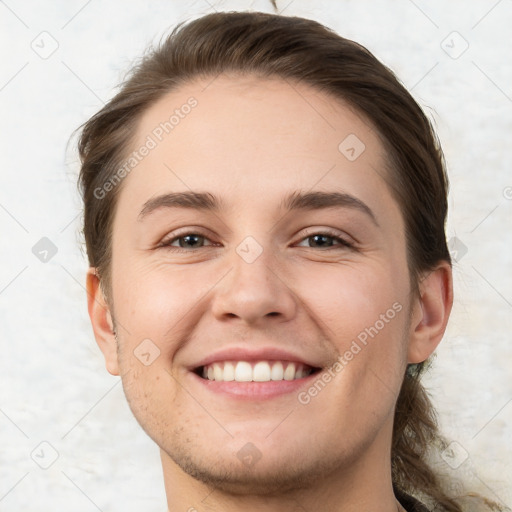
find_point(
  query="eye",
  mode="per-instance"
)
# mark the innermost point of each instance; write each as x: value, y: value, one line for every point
x: 191, y: 240
x: 326, y: 240
x: 186, y: 241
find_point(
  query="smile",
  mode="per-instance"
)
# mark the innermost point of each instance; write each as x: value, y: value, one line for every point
x: 254, y: 373
x: 260, y: 371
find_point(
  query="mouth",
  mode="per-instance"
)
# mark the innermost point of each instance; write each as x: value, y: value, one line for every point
x: 257, y: 380
x: 255, y: 371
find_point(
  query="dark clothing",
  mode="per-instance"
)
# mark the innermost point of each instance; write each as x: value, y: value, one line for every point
x: 409, y: 503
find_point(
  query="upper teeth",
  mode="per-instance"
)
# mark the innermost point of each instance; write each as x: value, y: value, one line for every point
x: 262, y: 371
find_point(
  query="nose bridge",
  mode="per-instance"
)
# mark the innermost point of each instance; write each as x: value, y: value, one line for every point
x: 253, y: 289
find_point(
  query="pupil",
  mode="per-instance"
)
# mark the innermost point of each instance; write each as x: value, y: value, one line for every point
x: 189, y: 240
x: 316, y: 239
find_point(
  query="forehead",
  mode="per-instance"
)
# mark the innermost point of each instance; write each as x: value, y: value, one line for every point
x: 262, y: 112
x: 246, y: 137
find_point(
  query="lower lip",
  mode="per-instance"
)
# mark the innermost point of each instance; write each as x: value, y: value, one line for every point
x: 255, y: 390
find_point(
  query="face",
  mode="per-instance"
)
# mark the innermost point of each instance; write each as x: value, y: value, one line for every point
x: 260, y: 287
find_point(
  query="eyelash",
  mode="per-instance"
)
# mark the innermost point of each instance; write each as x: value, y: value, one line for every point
x: 330, y: 234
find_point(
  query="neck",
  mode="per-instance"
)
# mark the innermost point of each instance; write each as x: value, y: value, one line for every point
x: 361, y: 484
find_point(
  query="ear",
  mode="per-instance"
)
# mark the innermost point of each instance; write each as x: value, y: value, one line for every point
x: 101, y: 320
x: 431, y: 311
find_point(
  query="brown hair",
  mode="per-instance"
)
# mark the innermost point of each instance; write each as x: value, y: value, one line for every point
x: 304, y: 51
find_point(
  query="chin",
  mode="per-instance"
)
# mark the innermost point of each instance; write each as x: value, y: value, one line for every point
x: 263, y: 477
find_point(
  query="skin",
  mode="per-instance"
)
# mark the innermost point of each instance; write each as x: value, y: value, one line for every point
x: 252, y: 141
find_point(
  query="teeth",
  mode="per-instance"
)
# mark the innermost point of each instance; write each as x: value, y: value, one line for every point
x: 229, y: 372
x: 289, y: 373
x: 243, y: 372
x: 277, y: 371
x: 262, y: 371
x: 217, y: 372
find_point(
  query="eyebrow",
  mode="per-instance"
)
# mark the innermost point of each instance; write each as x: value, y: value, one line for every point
x: 297, y: 200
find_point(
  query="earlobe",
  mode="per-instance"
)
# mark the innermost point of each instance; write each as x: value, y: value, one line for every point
x: 101, y: 321
x: 431, y: 312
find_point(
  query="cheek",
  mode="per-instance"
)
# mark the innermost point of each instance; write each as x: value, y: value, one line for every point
x: 149, y: 391
x: 363, y: 312
x: 154, y: 301
x: 365, y: 317
x: 350, y: 298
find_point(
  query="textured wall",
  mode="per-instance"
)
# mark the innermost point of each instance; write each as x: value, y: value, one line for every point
x: 60, y: 62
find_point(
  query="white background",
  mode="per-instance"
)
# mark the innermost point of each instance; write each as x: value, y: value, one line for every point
x: 53, y: 385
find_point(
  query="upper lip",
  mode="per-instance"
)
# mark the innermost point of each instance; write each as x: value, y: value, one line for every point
x: 254, y: 354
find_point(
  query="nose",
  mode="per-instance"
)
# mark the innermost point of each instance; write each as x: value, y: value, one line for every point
x: 254, y: 292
